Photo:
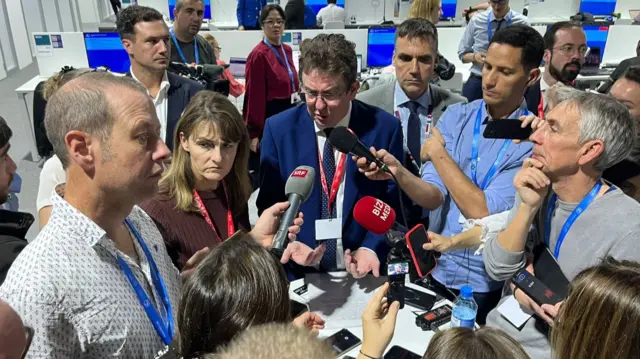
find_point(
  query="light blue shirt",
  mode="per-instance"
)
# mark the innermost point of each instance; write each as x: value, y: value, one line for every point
x: 462, y: 267
x: 476, y: 37
x: 402, y: 112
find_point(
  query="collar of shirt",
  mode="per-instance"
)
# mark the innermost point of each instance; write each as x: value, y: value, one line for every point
x: 543, y: 84
x: 401, y: 97
x: 164, y: 85
x: 520, y: 111
x: 90, y: 231
x: 343, y: 123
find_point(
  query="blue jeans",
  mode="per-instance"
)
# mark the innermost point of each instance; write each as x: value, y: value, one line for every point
x: 472, y: 89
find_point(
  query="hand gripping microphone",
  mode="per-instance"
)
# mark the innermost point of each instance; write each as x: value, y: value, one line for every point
x: 298, y: 189
x: 346, y: 142
x: 376, y: 216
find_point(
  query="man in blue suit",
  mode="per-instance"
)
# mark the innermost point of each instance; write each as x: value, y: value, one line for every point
x: 298, y: 137
x: 248, y: 13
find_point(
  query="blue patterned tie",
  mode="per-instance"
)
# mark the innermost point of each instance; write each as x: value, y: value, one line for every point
x: 329, y: 261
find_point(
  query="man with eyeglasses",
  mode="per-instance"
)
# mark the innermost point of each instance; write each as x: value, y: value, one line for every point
x: 299, y: 136
x: 565, y: 47
x: 476, y: 38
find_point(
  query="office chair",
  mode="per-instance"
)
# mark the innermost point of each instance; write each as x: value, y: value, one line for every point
x: 333, y: 25
x: 43, y: 145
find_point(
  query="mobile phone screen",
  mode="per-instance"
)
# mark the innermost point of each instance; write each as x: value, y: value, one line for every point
x: 397, y: 352
x: 425, y: 261
x: 343, y: 341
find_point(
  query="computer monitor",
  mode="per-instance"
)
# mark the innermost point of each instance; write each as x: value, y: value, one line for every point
x: 596, y: 38
x: 207, y: 8
x: 237, y: 66
x: 359, y: 60
x: 380, y: 44
x: 316, y: 5
x: 598, y: 7
x: 449, y: 9
x: 105, y: 49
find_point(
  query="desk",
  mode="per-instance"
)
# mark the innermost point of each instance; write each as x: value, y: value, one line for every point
x: 347, y: 297
x: 22, y: 91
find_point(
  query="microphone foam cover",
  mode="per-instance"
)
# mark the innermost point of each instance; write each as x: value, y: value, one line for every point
x: 343, y: 139
x: 374, y: 215
x: 300, y: 182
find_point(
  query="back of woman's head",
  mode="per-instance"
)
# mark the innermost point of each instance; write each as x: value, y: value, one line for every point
x: 238, y: 284
x: 422, y: 9
x: 466, y: 343
x: 58, y: 80
x: 600, y: 316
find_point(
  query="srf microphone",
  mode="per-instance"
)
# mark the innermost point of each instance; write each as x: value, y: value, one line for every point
x: 346, y: 141
x: 298, y: 189
x: 376, y: 216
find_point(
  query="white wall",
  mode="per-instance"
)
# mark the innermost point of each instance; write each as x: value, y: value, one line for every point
x: 623, y: 7
x: 160, y: 5
x: 5, y: 41
x: 66, y: 15
x: 52, y: 23
x: 621, y: 43
x: 19, y: 33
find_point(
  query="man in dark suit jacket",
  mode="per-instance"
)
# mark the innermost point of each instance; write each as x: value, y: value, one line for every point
x: 139, y: 26
x: 298, y: 137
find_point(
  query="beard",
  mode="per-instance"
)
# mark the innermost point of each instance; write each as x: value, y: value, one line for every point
x: 565, y: 75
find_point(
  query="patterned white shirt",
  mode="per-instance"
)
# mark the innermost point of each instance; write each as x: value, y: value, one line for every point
x: 68, y: 286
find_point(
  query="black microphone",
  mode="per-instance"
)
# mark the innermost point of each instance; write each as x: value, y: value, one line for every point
x: 346, y: 141
x: 298, y: 189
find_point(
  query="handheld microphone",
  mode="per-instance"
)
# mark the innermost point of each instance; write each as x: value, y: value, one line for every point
x: 298, y: 189
x: 346, y: 141
x: 376, y: 216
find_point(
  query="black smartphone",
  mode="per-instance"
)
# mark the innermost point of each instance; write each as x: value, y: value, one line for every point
x: 297, y: 308
x: 508, y: 129
x: 396, y: 273
x: 397, y: 352
x: 343, y: 341
x: 424, y: 261
x: 534, y: 288
x: 419, y: 299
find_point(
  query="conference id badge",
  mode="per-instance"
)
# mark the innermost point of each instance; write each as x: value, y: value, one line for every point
x: 295, y: 98
x: 328, y: 229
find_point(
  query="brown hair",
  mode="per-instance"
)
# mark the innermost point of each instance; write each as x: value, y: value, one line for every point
x: 237, y: 285
x: 600, y: 316
x: 208, y: 108
x: 466, y: 343
x: 331, y: 54
x: 211, y: 40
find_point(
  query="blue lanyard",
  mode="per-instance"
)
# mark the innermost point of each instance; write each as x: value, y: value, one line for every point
x: 570, y: 220
x: 195, y: 46
x: 474, y: 153
x: 489, y: 24
x: 164, y: 330
x: 283, y: 61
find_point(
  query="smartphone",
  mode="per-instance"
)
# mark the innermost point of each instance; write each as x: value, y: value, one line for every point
x: 419, y: 299
x: 343, y: 341
x: 297, y: 308
x: 397, y: 352
x: 396, y: 273
x: 508, y: 129
x: 424, y: 261
x: 534, y: 288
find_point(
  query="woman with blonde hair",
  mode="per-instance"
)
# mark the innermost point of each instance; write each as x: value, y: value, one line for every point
x: 426, y: 9
x: 236, y: 89
x: 599, y: 318
x: 467, y: 343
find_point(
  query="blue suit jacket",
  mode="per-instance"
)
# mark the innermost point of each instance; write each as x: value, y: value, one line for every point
x: 248, y: 12
x: 290, y: 141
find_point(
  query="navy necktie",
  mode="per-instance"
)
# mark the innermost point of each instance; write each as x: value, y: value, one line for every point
x: 500, y: 22
x: 328, y: 261
x: 414, y: 131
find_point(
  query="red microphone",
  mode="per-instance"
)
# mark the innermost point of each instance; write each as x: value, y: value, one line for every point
x: 376, y: 216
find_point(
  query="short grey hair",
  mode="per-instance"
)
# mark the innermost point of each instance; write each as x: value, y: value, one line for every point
x: 601, y: 118
x: 180, y: 4
x: 83, y: 105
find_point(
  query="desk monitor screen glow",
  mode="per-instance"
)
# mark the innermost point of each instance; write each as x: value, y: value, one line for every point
x: 380, y: 46
x: 598, y: 7
x: 596, y: 37
x: 316, y: 5
x: 207, y: 8
x: 449, y: 9
x: 105, y: 49
x: 237, y: 65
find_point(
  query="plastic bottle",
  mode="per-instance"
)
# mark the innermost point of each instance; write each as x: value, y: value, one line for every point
x: 465, y: 309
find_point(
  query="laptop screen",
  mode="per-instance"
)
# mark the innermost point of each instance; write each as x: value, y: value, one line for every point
x: 598, y: 7
x: 105, y: 49
x: 596, y: 40
x: 237, y: 66
x: 448, y: 9
x: 380, y: 44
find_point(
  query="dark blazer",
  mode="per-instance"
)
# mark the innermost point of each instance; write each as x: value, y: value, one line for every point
x: 532, y: 96
x: 294, y: 13
x: 181, y: 90
x: 13, y: 230
x: 290, y: 141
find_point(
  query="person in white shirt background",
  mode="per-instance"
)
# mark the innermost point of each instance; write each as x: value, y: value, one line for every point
x: 332, y: 13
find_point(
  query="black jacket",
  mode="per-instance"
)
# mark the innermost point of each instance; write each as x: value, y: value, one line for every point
x: 13, y: 230
x: 294, y: 14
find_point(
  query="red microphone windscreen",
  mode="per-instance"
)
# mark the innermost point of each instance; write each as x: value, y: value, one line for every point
x: 374, y: 215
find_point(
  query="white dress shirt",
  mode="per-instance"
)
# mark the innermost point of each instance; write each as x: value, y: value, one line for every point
x: 331, y: 13
x: 52, y: 174
x: 68, y: 286
x: 160, y: 102
x: 322, y: 138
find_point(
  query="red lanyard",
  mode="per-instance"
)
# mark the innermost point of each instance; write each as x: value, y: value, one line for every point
x: 541, y: 106
x: 337, y: 177
x: 231, y: 229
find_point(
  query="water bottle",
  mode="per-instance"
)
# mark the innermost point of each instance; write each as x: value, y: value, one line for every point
x: 465, y: 309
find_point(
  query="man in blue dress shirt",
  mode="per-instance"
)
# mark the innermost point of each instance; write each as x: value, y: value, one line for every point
x: 476, y: 38
x: 468, y: 176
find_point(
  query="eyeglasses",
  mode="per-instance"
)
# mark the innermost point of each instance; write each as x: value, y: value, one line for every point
x: 312, y: 96
x: 272, y: 23
x: 570, y: 49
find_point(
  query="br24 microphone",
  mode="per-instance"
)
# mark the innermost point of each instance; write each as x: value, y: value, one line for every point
x: 298, y: 189
x: 376, y: 216
x: 346, y: 141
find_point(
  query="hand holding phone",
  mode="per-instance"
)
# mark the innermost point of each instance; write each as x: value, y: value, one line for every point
x: 378, y: 323
x: 425, y: 261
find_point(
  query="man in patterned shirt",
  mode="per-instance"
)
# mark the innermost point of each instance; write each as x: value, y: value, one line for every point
x: 97, y: 281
